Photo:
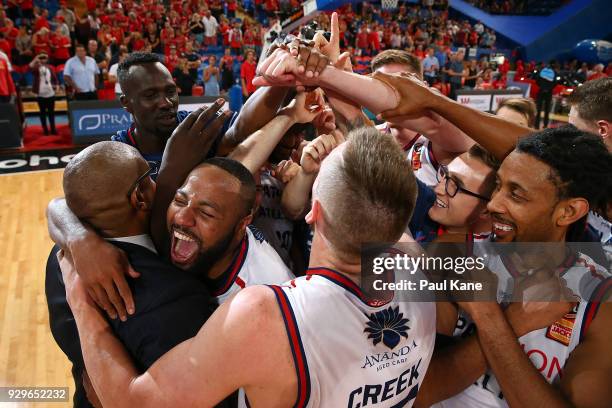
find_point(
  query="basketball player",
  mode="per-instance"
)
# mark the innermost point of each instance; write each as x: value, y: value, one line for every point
x: 205, y: 232
x: 150, y: 96
x: 591, y: 107
x: 311, y: 342
x: 544, y: 189
x: 521, y: 111
x: 437, y: 142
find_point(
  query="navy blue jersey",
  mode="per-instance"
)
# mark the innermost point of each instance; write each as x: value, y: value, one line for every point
x: 423, y: 228
x: 127, y: 136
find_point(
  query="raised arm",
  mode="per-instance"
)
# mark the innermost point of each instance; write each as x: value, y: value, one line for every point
x: 282, y: 68
x: 258, y: 110
x: 495, y: 134
x: 296, y: 194
x: 256, y: 149
x: 187, y: 147
x: 457, y: 366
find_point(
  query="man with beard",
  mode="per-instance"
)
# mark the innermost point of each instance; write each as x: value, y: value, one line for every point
x: 206, y: 228
x: 172, y: 305
x: 304, y: 342
x: 151, y: 97
x: 544, y: 190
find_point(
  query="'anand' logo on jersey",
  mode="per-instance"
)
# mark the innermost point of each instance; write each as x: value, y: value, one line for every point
x: 388, y: 326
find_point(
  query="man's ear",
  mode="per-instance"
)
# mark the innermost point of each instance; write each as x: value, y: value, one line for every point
x: 139, y: 201
x: 315, y: 212
x: 125, y: 102
x: 604, y: 129
x: 571, y: 210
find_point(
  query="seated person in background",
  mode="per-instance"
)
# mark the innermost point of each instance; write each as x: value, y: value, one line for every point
x: 171, y: 305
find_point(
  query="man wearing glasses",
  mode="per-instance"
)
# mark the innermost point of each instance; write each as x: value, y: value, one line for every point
x: 172, y: 305
x: 458, y: 203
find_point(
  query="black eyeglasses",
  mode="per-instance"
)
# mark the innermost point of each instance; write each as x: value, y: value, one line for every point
x: 153, y: 168
x: 452, y: 187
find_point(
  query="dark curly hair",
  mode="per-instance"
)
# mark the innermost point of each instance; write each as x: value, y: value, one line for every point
x: 581, y: 163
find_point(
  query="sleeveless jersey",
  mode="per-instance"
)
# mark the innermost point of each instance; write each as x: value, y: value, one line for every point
x: 424, y: 164
x: 601, y: 227
x: 547, y: 348
x: 270, y: 220
x: 350, y: 352
x: 256, y: 263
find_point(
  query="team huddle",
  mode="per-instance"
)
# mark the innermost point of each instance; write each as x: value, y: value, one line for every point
x: 214, y: 259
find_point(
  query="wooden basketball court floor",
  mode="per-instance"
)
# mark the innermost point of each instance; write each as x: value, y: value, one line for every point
x: 29, y: 356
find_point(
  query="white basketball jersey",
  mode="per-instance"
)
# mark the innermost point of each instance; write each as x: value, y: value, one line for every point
x: 351, y: 353
x: 547, y: 348
x: 424, y: 164
x: 256, y: 263
x: 601, y: 226
x: 270, y: 219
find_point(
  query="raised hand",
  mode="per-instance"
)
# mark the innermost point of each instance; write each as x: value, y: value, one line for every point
x: 102, y: 268
x: 317, y: 150
x: 331, y: 48
x: 304, y: 108
x: 285, y: 171
x: 279, y: 69
x: 414, y: 96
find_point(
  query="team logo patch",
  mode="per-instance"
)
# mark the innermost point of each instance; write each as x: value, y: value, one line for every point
x: 561, y: 330
x: 388, y: 326
x: 416, y: 157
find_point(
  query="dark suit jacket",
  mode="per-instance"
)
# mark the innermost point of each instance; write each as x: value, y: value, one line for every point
x: 171, y: 306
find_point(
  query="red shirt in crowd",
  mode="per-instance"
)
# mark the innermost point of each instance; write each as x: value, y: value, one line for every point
x: 41, y: 22
x: 362, y: 39
x: 248, y: 39
x: 10, y: 33
x: 473, y: 38
x: 224, y: 29
x: 374, y: 40
x: 58, y: 45
x: 138, y: 44
x: 43, y: 42
x: 7, y: 86
x: 247, y: 72
x: 597, y: 75
x: 27, y: 4
x: 5, y: 46
x: 172, y: 61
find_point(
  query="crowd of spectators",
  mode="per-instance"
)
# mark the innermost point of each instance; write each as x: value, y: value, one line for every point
x: 525, y: 7
x: 211, y: 45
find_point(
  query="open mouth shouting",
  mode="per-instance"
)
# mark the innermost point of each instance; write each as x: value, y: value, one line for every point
x: 184, y: 247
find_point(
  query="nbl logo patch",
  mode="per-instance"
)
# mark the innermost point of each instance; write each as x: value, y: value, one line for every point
x: 416, y: 157
x: 561, y: 330
x: 388, y: 326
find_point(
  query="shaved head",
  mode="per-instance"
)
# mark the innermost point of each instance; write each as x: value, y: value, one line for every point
x: 367, y: 191
x: 97, y: 180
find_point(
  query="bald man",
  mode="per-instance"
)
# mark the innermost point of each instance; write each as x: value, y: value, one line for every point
x: 108, y: 185
x: 300, y: 344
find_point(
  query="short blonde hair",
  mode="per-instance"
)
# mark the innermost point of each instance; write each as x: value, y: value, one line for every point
x: 367, y: 194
